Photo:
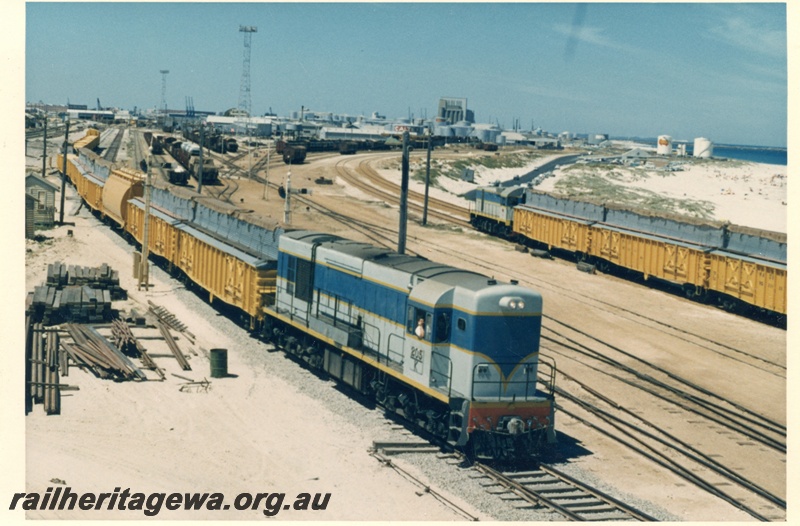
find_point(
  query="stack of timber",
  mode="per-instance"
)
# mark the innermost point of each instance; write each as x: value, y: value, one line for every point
x: 92, y: 351
x: 60, y: 275
x: 75, y: 294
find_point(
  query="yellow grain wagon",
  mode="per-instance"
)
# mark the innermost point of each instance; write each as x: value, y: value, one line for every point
x: 240, y: 279
x: 162, y: 237
x: 553, y: 230
x: 652, y: 256
x: 757, y: 282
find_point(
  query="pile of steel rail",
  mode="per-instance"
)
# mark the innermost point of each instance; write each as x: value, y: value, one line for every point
x: 126, y: 342
x: 95, y: 353
x: 170, y: 320
x: 173, y: 346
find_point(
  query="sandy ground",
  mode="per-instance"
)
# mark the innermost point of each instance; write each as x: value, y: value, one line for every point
x: 272, y: 427
x: 252, y: 432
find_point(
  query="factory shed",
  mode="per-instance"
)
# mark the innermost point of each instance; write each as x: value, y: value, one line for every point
x: 44, y: 192
x: 637, y: 154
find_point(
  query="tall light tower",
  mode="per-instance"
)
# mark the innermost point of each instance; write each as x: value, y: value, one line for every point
x: 164, y: 95
x: 244, y: 88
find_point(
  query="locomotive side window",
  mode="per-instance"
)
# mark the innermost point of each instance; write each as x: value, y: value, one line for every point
x: 291, y: 274
x: 419, y: 323
x: 303, y: 286
x: 461, y: 324
x: 298, y: 277
x: 442, y: 328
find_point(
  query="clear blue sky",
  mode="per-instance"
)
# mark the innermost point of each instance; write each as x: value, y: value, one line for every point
x: 681, y: 69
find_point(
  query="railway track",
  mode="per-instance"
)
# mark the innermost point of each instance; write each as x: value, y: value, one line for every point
x: 365, y: 168
x: 369, y: 181
x: 552, y: 489
x: 229, y: 184
x: 110, y: 154
x: 702, y: 407
x: 543, y: 488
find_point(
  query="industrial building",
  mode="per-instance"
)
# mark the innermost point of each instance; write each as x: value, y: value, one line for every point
x: 453, y: 110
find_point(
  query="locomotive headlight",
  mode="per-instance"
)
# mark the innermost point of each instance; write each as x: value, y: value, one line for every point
x: 512, y: 303
x: 515, y: 426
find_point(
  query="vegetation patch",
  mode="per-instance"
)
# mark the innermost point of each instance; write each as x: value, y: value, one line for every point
x: 603, y: 188
x: 454, y: 168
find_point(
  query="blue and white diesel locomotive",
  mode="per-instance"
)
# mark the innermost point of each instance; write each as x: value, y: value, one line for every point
x: 454, y: 351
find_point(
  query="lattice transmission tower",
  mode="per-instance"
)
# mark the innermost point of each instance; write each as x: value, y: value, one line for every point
x: 163, y: 106
x: 244, y: 88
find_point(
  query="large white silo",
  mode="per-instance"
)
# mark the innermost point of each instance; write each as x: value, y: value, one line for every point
x: 703, y: 148
x: 664, y: 146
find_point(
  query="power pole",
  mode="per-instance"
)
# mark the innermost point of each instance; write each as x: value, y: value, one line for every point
x: 427, y: 180
x: 266, y: 178
x: 44, y: 146
x: 200, y: 164
x: 144, y: 267
x: 287, y: 207
x: 63, y: 176
x: 401, y: 242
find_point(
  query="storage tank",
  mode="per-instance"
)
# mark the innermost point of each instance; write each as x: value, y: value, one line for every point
x: 664, y: 145
x: 703, y: 148
x: 481, y: 134
x: 462, y: 129
x: 443, y: 131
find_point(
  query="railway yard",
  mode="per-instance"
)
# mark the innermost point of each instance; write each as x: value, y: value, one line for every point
x: 666, y: 409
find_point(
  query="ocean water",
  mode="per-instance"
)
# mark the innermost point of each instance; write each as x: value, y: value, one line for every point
x: 754, y: 154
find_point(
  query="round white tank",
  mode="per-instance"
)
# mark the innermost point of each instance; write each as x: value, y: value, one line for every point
x: 664, y: 145
x: 481, y: 134
x: 703, y: 148
x: 443, y: 131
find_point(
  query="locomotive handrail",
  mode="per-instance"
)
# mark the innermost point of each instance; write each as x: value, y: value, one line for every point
x: 390, y: 352
x: 449, y: 376
x: 501, y: 383
x: 549, y: 382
